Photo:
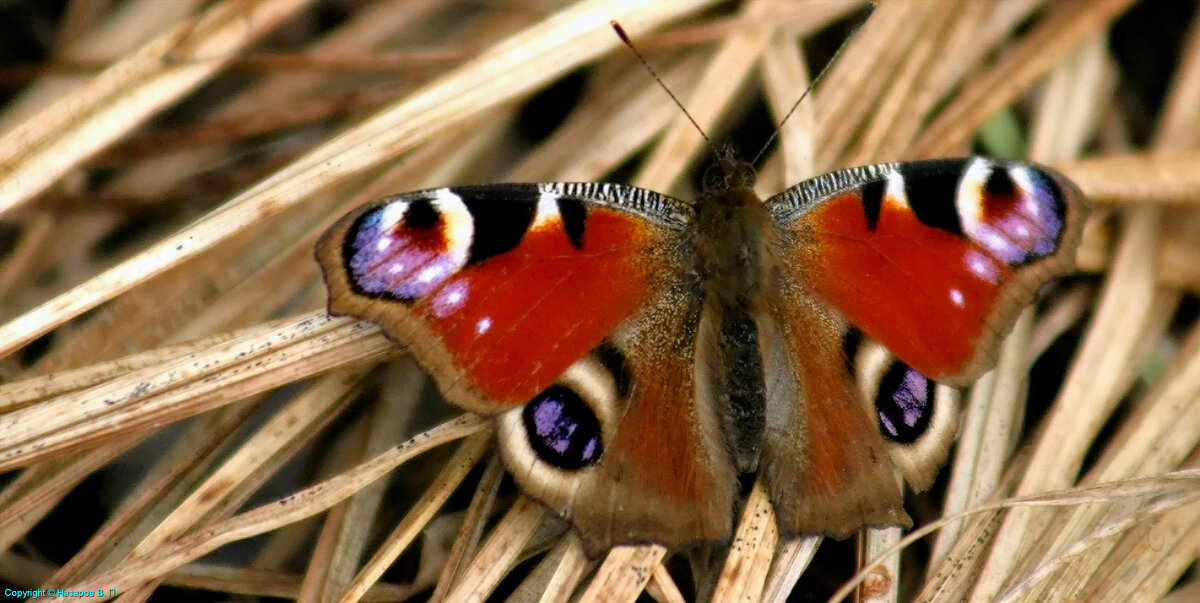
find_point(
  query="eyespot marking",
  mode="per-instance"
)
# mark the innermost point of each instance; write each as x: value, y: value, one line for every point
x: 562, y: 429
x: 404, y: 249
x: 904, y: 404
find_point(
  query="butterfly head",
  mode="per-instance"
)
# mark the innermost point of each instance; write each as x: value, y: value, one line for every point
x: 728, y: 172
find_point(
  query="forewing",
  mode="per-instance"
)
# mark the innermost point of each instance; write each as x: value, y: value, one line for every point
x: 497, y: 289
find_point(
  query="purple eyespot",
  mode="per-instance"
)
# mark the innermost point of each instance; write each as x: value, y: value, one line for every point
x: 408, y: 248
x: 904, y: 403
x: 562, y: 429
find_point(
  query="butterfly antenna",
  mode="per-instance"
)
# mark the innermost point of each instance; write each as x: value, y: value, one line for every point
x: 809, y: 89
x: 625, y: 38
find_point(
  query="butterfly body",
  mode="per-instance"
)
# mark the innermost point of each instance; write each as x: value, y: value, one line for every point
x: 641, y: 353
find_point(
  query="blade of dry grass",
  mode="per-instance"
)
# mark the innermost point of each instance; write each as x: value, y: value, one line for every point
x: 624, y: 574
x: 907, y: 77
x: 43, y: 147
x: 882, y: 582
x: 662, y: 587
x: 989, y: 433
x: 613, y: 123
x: 347, y: 528
x: 305, y: 503
x: 1066, y: 24
x: 1097, y: 379
x: 468, y: 454
x: 176, y: 472
x: 471, y: 531
x: 1167, y: 492
x: 722, y: 79
x: 557, y: 575
x: 200, y: 379
x: 791, y: 560
x: 105, y: 37
x: 744, y: 574
x: 1137, y: 178
x: 1089, y: 394
x: 499, y: 552
x: 783, y: 73
x: 263, y: 583
x: 1155, y: 440
x: 253, y: 462
x: 34, y: 493
x: 863, y: 68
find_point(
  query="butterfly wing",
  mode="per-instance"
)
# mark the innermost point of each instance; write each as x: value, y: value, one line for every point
x: 932, y: 259
x: 570, y: 312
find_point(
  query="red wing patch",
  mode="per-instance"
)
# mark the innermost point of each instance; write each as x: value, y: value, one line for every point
x: 910, y: 286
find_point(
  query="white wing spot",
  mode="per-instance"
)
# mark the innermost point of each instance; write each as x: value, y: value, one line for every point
x: 956, y: 296
x: 983, y: 266
x: 458, y: 227
x: 1028, y: 190
x: 393, y: 214
x: 547, y: 209
x: 483, y: 325
x: 969, y: 198
x: 430, y: 274
x: 896, y: 193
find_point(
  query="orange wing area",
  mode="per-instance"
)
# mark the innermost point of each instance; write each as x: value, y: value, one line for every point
x: 933, y: 259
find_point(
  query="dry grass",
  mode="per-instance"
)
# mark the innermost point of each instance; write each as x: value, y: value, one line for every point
x: 163, y: 178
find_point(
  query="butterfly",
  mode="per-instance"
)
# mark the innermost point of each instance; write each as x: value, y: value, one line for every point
x: 641, y: 354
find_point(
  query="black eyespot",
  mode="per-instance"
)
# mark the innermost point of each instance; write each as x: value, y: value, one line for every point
x: 562, y: 429
x: 904, y: 403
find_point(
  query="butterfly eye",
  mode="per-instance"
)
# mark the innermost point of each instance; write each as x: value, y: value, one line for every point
x: 904, y: 403
x: 562, y: 429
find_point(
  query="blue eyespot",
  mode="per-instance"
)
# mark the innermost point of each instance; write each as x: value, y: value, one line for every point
x: 562, y: 429
x: 904, y: 403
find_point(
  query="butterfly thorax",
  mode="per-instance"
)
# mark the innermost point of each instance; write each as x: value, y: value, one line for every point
x: 731, y: 241
x: 730, y: 230
x: 730, y: 225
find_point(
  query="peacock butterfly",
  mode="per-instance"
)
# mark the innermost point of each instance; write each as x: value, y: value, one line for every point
x: 639, y: 353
